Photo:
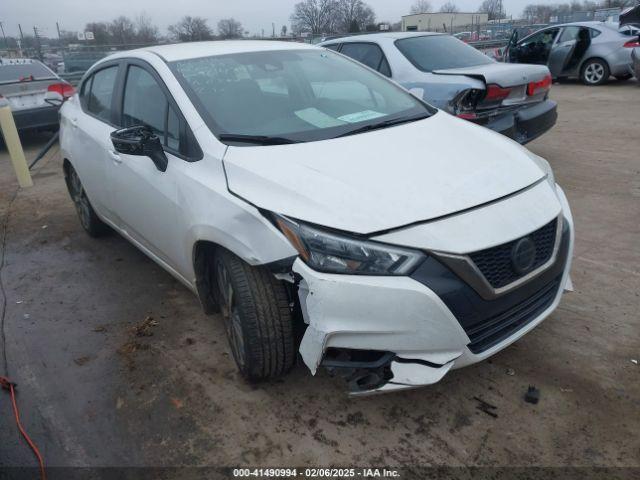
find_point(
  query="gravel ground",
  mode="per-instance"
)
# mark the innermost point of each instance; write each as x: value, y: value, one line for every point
x: 93, y: 392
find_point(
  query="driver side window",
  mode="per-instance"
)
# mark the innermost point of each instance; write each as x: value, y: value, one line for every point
x: 544, y: 37
x: 145, y: 103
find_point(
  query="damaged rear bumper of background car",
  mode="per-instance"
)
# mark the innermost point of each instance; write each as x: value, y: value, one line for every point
x: 392, y: 333
x: 525, y: 124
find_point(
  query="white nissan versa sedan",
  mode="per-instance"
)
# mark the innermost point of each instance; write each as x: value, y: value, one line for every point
x: 319, y: 207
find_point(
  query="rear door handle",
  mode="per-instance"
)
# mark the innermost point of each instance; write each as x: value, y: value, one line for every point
x: 115, y: 157
x: 74, y: 122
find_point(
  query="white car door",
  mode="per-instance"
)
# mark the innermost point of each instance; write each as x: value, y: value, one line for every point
x: 88, y: 125
x: 144, y: 198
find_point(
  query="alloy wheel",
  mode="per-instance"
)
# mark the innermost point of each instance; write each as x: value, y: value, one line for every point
x: 594, y: 73
x: 231, y: 314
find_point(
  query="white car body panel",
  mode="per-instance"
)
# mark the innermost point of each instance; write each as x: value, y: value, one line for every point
x: 518, y: 215
x: 364, y: 313
x: 314, y: 181
x: 460, y: 176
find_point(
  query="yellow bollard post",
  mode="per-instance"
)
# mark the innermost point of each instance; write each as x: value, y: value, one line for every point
x: 12, y: 140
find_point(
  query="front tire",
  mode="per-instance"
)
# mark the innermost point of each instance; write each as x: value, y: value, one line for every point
x: 87, y: 215
x: 594, y: 72
x: 258, y: 320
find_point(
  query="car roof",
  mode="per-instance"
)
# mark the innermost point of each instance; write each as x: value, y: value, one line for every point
x: 188, y: 50
x: 376, y: 36
x: 581, y: 24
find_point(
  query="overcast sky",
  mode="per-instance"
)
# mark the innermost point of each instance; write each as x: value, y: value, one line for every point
x: 255, y: 15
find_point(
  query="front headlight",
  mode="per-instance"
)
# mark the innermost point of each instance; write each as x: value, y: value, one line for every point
x: 331, y: 253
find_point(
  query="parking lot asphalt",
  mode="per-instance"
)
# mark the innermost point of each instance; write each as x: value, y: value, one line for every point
x: 95, y: 390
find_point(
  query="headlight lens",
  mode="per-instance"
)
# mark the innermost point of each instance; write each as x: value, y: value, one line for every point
x: 331, y: 253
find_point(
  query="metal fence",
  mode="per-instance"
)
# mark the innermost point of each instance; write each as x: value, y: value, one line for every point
x: 70, y: 62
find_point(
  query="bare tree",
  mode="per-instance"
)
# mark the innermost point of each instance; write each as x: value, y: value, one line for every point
x: 541, y: 13
x: 283, y: 32
x: 492, y: 7
x: 229, y: 28
x: 449, y: 7
x: 314, y: 16
x: 421, y: 6
x: 146, y: 31
x: 354, y: 15
x: 191, y: 29
x: 122, y: 30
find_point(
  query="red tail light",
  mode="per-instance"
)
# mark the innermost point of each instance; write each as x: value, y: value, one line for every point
x: 632, y: 43
x: 467, y: 116
x: 544, y: 84
x: 64, y: 89
x: 496, y: 93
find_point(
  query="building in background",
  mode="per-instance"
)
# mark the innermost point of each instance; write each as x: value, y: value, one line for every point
x: 443, y: 22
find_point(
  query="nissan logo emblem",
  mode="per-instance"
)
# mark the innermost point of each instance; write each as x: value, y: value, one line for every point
x: 523, y: 255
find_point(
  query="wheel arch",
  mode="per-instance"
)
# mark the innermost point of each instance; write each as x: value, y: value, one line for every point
x: 203, y: 253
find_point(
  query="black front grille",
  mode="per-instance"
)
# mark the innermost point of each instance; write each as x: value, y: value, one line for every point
x: 495, y: 329
x: 496, y: 263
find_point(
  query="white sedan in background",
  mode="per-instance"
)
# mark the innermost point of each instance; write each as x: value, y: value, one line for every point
x: 319, y: 207
x: 449, y: 74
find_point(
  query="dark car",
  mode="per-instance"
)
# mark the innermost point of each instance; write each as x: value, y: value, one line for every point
x: 31, y: 88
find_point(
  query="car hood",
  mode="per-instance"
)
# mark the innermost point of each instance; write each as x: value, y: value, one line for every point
x: 503, y: 74
x: 383, y: 179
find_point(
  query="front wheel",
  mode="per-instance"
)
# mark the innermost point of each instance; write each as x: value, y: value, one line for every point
x: 257, y: 317
x: 594, y: 72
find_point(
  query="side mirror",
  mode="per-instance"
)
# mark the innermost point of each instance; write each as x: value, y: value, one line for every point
x: 140, y: 140
x: 54, y: 99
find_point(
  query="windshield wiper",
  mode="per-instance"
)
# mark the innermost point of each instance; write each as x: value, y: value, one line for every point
x: 257, y: 139
x: 386, y: 123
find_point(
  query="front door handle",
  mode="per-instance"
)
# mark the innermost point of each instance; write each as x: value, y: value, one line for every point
x: 115, y: 157
x: 74, y: 122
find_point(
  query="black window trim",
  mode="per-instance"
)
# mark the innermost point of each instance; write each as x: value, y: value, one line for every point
x: 186, y: 133
x: 383, y: 59
x: 88, y: 78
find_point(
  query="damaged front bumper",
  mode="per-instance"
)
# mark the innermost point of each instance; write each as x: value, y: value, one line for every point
x: 393, y: 333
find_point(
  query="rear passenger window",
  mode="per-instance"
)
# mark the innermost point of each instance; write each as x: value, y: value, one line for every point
x: 368, y: 54
x: 98, y: 100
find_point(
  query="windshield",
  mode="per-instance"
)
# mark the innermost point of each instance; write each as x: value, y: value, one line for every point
x: 292, y: 95
x: 24, y: 72
x: 439, y: 52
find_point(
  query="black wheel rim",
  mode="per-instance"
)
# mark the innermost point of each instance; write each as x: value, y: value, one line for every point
x: 80, y: 200
x: 231, y: 314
